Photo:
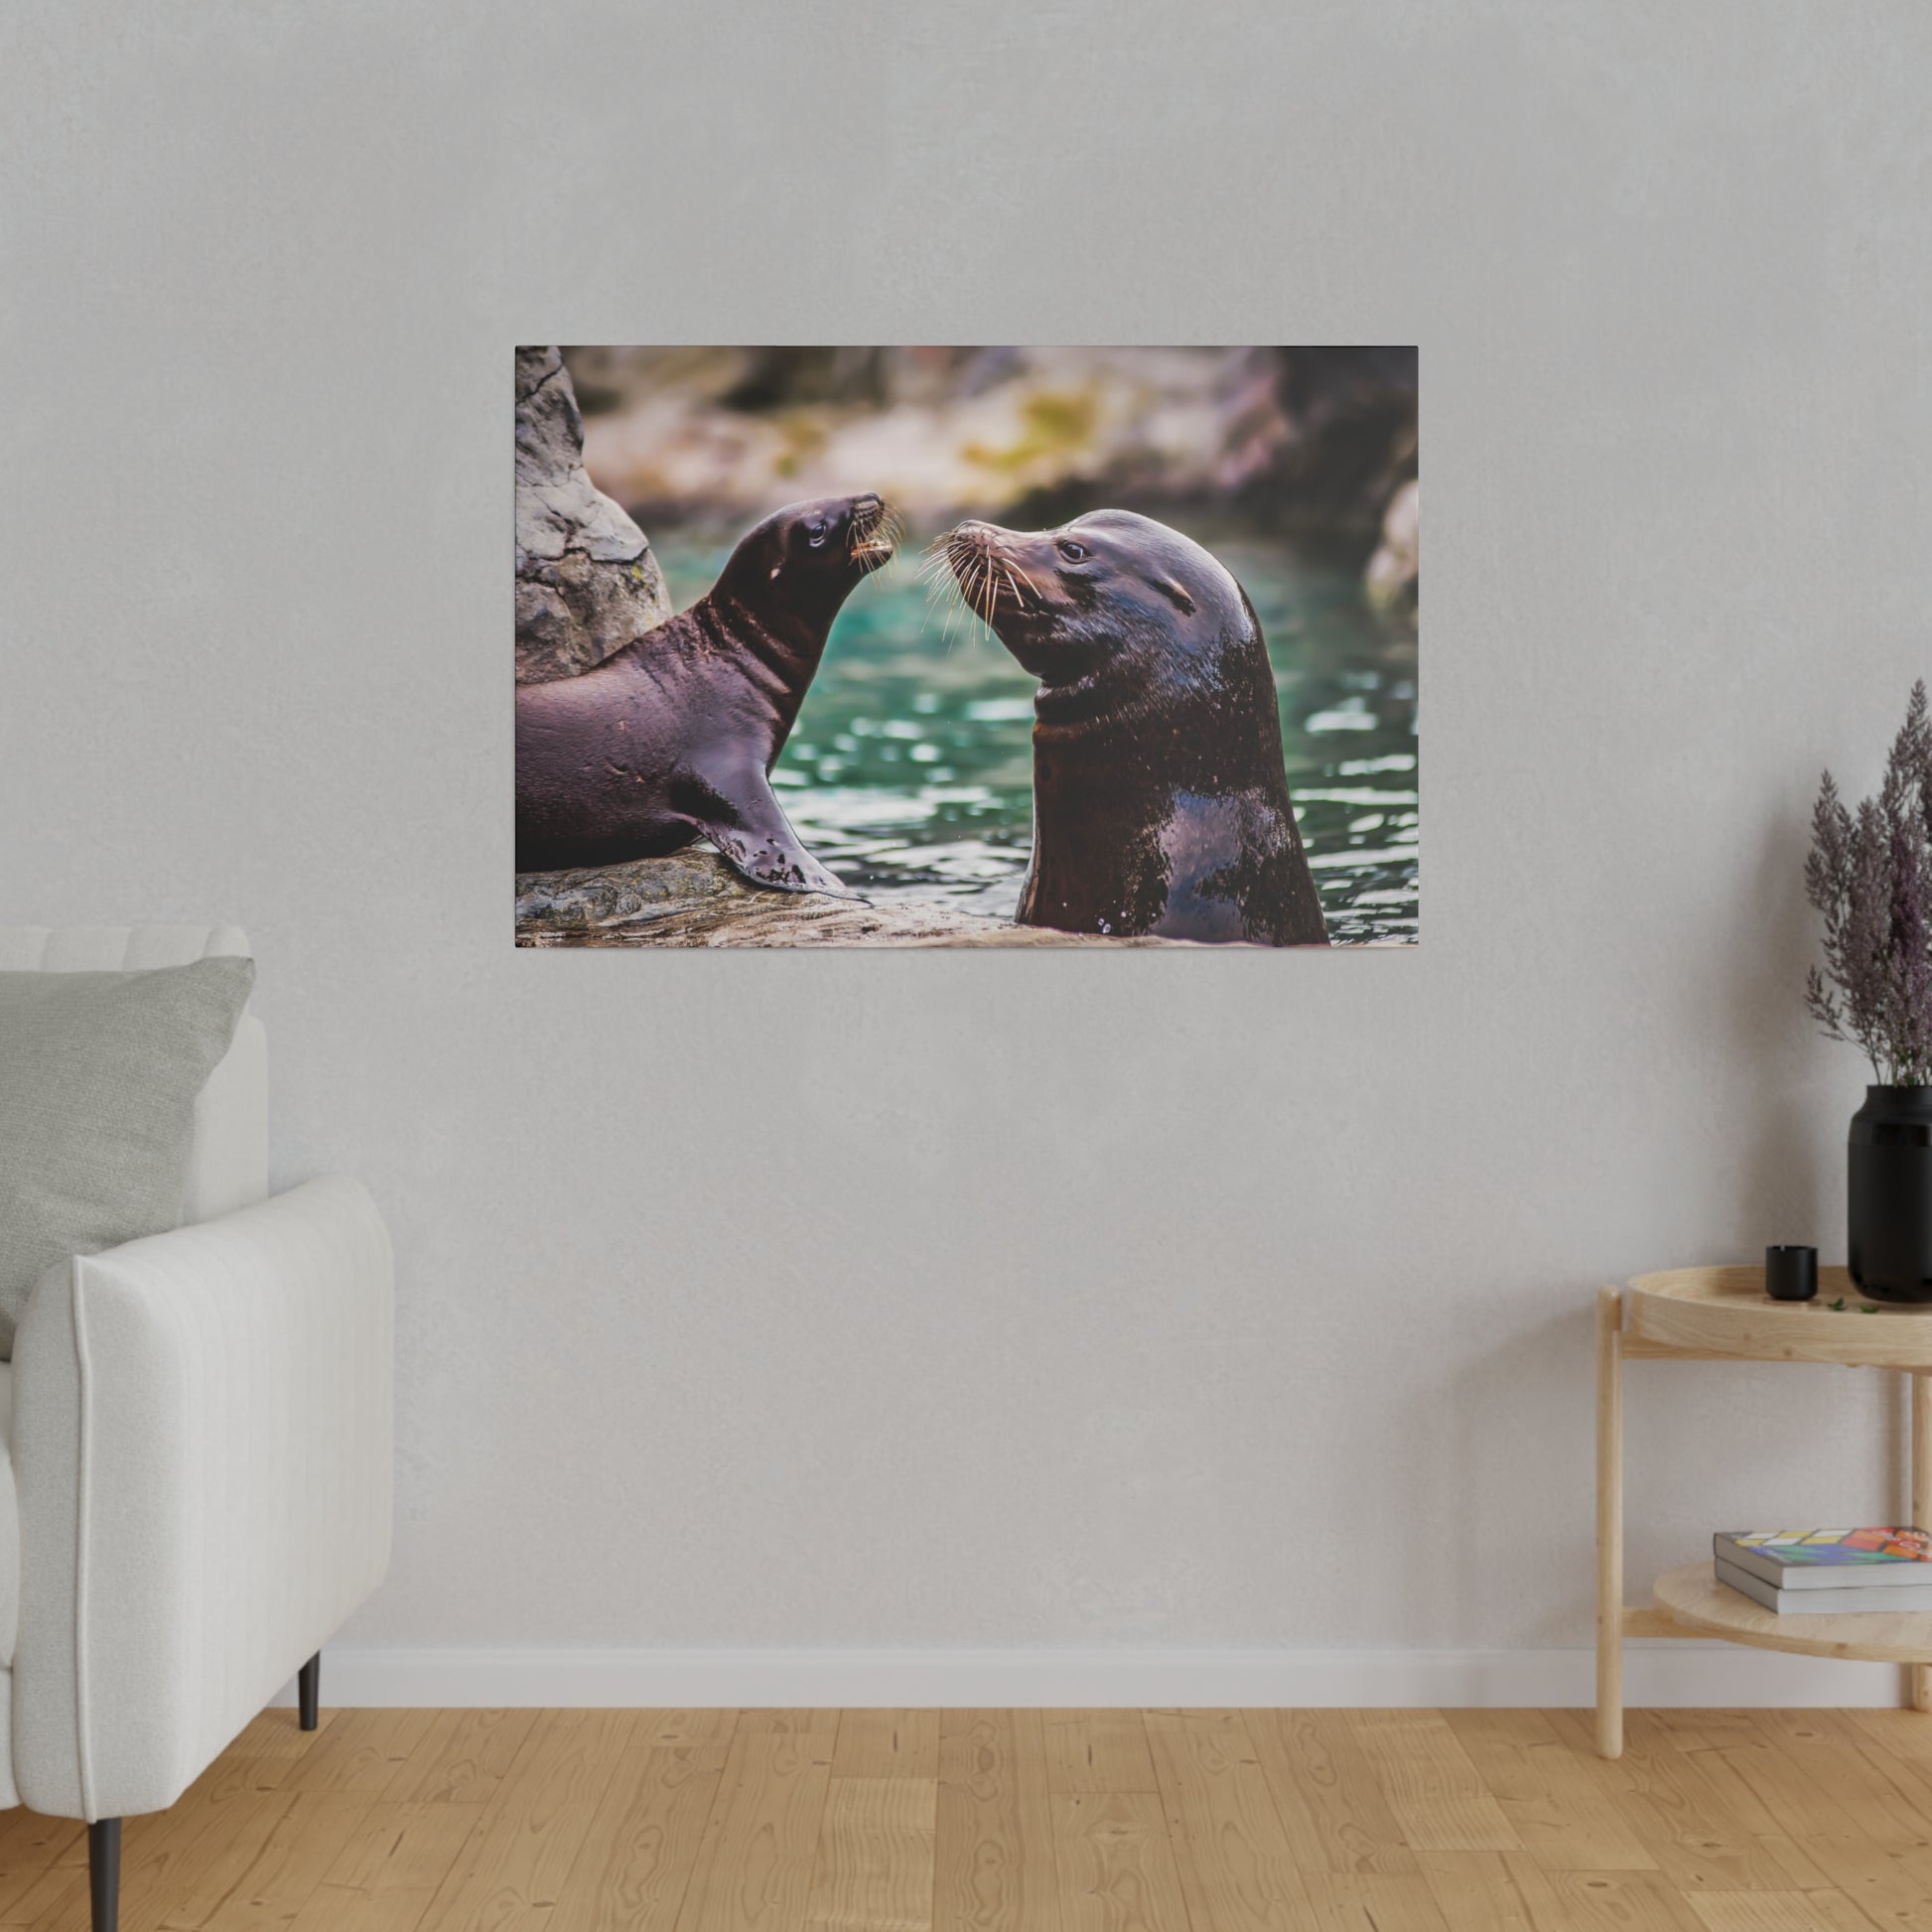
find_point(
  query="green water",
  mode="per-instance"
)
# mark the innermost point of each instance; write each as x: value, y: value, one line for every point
x: 909, y: 772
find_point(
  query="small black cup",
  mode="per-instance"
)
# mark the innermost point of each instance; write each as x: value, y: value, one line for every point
x: 1791, y: 1273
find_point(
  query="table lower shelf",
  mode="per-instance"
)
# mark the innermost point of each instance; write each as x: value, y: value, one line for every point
x: 1695, y: 1601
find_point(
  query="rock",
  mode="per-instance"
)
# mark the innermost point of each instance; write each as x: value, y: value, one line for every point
x: 1393, y: 582
x: 693, y: 898
x: 586, y: 581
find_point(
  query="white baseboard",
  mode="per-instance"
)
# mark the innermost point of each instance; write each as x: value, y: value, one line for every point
x: 1655, y: 1674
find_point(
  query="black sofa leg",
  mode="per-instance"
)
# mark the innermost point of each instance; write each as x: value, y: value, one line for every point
x: 308, y: 1687
x: 105, y: 1872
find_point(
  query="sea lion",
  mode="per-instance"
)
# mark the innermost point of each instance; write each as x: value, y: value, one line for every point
x: 674, y: 735
x: 1160, y: 800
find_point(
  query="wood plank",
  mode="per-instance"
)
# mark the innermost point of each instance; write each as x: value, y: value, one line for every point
x: 386, y: 1877
x: 1886, y: 1802
x: 887, y: 1744
x: 154, y: 1850
x: 994, y: 1864
x: 1775, y: 1796
x: 362, y: 1750
x: 1490, y: 1891
x: 1436, y: 1793
x: 874, y: 1868
x: 1779, y: 1911
x: 62, y: 1899
x: 1373, y: 1901
x: 1331, y: 1807
x: 1899, y: 1734
x: 279, y: 1734
x: 645, y: 1842
x: 463, y: 1760
x: 513, y: 1867
x: 50, y: 1858
x: 1697, y: 1841
x: 801, y: 1721
x: 218, y: 1841
x: 1116, y: 1867
x: 294, y: 1858
x: 1097, y: 1750
x: 758, y: 1865
x: 1698, y: 1730
x: 1618, y: 1901
x: 1890, y: 1885
x: 1237, y: 1871
x: 1555, y: 1800
x: 32, y: 1847
x: 686, y: 1727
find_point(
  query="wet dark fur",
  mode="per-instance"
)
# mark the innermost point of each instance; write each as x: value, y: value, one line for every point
x: 1160, y: 800
x: 674, y: 735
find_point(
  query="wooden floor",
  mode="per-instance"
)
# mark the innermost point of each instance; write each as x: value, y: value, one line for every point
x: 1028, y: 1821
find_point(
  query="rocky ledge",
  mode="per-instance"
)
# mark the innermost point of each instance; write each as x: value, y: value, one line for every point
x: 693, y: 898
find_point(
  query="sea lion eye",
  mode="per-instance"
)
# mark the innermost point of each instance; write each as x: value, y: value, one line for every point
x: 1074, y: 553
x: 816, y: 532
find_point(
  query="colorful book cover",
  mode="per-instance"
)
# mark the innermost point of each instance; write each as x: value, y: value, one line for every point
x: 1822, y: 1548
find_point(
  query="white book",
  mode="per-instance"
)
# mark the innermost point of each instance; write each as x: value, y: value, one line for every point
x: 1899, y: 1600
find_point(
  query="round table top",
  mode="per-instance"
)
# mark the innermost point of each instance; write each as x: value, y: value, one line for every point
x: 1693, y: 1597
x: 1725, y: 1311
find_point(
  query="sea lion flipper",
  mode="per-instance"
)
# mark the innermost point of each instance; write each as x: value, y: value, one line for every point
x: 750, y: 831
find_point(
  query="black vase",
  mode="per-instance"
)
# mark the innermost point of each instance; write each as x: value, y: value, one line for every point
x: 1890, y: 1194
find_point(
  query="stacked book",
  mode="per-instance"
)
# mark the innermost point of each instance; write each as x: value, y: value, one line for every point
x: 1827, y: 1572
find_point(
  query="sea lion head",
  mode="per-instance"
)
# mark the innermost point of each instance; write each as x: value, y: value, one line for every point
x: 814, y: 553
x: 1105, y: 606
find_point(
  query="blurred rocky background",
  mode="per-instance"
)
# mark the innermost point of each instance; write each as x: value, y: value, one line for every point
x: 1317, y: 444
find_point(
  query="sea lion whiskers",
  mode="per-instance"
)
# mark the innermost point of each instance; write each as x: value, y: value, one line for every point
x: 963, y: 586
x: 876, y: 531
x: 945, y: 560
x: 990, y: 584
x: 941, y: 597
x: 982, y: 577
x: 978, y: 565
x: 979, y: 575
x: 934, y: 562
x: 935, y: 573
x: 889, y: 530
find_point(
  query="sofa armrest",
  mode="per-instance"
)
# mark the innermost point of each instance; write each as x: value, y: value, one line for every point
x: 202, y: 1451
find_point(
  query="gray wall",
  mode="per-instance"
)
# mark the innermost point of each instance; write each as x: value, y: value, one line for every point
x: 875, y: 1298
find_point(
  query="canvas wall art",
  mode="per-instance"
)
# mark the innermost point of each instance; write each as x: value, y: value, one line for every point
x: 967, y: 645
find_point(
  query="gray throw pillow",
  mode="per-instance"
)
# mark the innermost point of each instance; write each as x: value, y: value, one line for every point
x: 99, y: 1075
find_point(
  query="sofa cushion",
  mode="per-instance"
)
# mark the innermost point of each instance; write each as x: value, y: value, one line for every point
x: 98, y: 1077
x: 230, y: 1166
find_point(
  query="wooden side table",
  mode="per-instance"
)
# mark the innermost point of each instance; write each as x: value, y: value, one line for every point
x: 1705, y: 1315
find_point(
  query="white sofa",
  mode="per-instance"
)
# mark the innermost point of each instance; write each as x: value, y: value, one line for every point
x: 199, y: 1459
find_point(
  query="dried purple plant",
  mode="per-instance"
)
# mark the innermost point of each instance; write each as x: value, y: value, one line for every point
x: 1870, y: 876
